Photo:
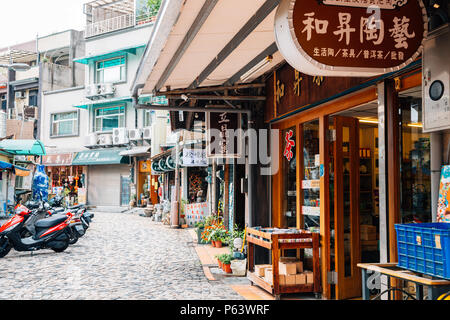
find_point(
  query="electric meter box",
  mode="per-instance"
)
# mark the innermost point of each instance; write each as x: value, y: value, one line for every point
x: 436, y: 80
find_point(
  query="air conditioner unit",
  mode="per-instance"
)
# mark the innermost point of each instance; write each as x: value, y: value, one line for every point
x: 93, y: 139
x: 147, y: 133
x: 20, y: 95
x: 107, y: 89
x: 92, y: 91
x: 105, y: 140
x: 135, y: 134
x: 120, y: 136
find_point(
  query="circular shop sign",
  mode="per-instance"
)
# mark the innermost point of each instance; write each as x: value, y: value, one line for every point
x: 350, y: 38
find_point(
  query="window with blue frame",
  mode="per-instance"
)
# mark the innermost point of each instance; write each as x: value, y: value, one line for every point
x: 64, y: 124
x: 33, y: 98
x: 111, y: 70
x: 109, y: 118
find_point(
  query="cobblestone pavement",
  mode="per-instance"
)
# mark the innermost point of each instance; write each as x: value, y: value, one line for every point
x: 124, y: 257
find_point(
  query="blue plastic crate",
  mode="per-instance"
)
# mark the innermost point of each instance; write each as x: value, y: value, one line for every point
x: 424, y: 248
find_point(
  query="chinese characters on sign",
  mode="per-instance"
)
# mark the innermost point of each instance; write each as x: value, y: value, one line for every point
x: 376, y: 34
x: 223, y: 135
x: 290, y: 143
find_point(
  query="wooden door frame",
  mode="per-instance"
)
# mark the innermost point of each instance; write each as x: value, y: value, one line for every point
x: 347, y: 287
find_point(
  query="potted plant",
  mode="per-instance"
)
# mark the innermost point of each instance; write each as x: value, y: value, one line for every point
x: 219, y: 260
x: 226, y: 262
x: 217, y: 235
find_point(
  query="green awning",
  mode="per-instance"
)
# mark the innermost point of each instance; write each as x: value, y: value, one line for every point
x: 23, y: 147
x: 107, y: 55
x: 100, y: 157
x: 104, y: 102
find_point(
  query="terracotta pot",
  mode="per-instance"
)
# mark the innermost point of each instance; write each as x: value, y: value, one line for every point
x: 218, y: 244
x: 227, y: 268
x: 220, y: 264
x: 213, y: 243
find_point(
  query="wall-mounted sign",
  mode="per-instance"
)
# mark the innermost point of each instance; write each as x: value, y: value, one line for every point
x: 194, y: 158
x: 290, y: 143
x: 224, y: 136
x: 352, y: 37
x: 145, y: 166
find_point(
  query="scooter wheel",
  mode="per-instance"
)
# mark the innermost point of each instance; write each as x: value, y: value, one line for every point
x: 61, y: 249
x: 74, y: 239
x: 5, y: 246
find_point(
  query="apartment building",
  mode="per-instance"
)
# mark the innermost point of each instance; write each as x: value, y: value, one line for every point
x: 95, y: 135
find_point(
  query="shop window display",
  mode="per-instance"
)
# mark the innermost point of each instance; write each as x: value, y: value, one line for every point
x: 415, y: 163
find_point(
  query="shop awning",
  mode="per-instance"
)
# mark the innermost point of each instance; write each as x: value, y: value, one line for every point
x: 19, y: 171
x: 54, y: 160
x: 104, y: 102
x: 23, y: 147
x: 110, y: 54
x: 100, y: 157
x: 5, y: 165
x: 138, y: 151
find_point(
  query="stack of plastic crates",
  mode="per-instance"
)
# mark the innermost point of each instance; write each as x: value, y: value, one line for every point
x: 424, y: 248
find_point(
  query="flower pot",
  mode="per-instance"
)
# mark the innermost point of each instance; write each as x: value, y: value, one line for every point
x: 220, y: 264
x: 213, y: 243
x: 219, y: 244
x: 227, y: 268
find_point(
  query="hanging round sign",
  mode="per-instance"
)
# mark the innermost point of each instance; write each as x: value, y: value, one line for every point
x: 352, y: 37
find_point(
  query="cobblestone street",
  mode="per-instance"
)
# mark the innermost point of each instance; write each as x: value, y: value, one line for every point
x: 124, y: 257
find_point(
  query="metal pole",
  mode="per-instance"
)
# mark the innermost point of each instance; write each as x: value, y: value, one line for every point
x: 436, y: 163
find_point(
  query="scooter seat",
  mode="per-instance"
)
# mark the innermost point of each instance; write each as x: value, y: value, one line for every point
x: 57, y: 210
x: 50, y: 222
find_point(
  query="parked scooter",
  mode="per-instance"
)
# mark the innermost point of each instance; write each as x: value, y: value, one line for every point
x: 51, y: 233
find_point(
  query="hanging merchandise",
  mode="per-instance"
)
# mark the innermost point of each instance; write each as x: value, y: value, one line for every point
x: 40, y: 184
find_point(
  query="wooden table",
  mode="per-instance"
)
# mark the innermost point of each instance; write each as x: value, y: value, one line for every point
x: 281, y: 241
x: 436, y: 287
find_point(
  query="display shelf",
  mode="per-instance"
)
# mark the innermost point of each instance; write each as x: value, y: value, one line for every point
x: 275, y: 241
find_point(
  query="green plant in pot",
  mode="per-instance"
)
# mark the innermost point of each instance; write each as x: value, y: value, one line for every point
x: 200, y: 227
x: 217, y: 235
x: 226, y: 262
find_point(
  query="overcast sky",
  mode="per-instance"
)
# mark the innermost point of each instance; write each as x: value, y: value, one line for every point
x: 22, y: 20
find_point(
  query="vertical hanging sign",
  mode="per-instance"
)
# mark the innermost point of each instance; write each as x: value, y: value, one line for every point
x: 290, y: 143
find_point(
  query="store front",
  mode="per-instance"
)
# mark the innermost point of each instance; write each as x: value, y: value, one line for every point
x: 108, y: 177
x: 329, y: 175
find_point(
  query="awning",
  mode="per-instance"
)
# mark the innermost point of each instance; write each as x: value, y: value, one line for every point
x: 23, y: 147
x: 138, y: 151
x: 107, y: 55
x: 100, y: 157
x: 54, y: 160
x: 19, y: 171
x: 5, y: 165
x: 104, y: 102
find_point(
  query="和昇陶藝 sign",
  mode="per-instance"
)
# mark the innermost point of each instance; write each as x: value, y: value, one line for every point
x: 352, y: 37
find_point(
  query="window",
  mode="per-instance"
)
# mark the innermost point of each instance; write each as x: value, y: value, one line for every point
x: 64, y: 124
x: 148, y: 118
x: 33, y: 98
x: 3, y: 101
x: 108, y: 118
x: 112, y: 70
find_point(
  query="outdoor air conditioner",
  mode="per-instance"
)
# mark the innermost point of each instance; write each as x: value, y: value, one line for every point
x: 107, y: 89
x: 135, y: 134
x: 92, y: 91
x: 147, y: 134
x: 105, y: 140
x: 120, y: 136
x: 93, y: 139
x: 20, y: 95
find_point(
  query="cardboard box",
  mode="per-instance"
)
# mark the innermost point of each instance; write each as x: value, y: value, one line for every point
x: 268, y: 275
x: 309, y: 277
x: 290, y: 279
x: 260, y: 269
x: 298, y: 263
x: 300, y: 278
x: 287, y: 268
x: 282, y: 279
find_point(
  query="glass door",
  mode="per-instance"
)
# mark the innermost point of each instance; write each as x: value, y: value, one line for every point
x: 346, y: 207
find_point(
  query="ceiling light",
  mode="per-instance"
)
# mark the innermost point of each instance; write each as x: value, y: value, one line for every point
x: 257, y: 67
x: 375, y: 121
x: 415, y: 125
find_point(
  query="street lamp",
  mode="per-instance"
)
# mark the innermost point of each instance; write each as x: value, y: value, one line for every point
x: 16, y: 66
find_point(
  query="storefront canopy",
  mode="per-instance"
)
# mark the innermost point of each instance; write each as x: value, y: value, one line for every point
x: 100, y: 157
x: 23, y: 147
x: 20, y: 171
x: 105, y: 102
x: 107, y: 55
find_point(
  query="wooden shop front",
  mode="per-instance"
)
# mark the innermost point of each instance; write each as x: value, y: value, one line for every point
x: 332, y: 177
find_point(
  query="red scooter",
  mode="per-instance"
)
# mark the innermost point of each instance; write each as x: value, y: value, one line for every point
x: 51, y: 233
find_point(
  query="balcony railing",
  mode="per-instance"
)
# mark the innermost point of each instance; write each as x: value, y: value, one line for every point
x: 110, y: 25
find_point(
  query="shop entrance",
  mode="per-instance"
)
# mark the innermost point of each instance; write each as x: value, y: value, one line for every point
x: 353, y: 196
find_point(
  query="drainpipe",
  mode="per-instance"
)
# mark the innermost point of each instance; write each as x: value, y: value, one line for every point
x: 251, y: 169
x: 435, y: 163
